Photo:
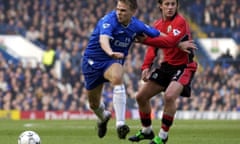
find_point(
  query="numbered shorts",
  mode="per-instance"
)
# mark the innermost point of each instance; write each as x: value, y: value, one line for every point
x: 182, y: 74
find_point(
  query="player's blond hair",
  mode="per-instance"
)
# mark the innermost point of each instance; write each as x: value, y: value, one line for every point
x: 132, y: 3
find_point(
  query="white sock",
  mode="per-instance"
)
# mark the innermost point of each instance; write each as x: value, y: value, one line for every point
x: 163, y: 134
x: 147, y: 130
x: 100, y: 112
x: 119, y: 103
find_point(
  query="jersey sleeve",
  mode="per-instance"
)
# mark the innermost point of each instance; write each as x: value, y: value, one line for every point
x: 149, y: 57
x: 106, y: 25
x: 146, y: 29
x: 172, y: 39
x: 150, y: 31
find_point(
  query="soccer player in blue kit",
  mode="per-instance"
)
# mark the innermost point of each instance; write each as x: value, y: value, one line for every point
x: 104, y: 58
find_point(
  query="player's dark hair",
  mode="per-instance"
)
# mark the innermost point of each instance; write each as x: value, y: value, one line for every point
x: 132, y: 3
x: 161, y: 1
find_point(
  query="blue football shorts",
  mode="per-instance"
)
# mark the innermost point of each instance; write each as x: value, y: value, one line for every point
x: 93, y: 71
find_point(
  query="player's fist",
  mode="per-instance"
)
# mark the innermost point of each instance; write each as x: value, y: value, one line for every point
x: 145, y: 74
x: 187, y: 46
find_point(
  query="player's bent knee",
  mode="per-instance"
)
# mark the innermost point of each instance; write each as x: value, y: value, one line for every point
x: 170, y: 98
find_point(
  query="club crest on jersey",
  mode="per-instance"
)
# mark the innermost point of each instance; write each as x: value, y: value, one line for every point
x: 106, y: 25
x: 169, y: 28
x: 176, y: 32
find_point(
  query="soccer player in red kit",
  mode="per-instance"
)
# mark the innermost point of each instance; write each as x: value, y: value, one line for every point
x: 173, y: 76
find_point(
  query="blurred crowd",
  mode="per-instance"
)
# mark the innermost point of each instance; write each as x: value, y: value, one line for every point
x: 218, y: 18
x: 65, y: 26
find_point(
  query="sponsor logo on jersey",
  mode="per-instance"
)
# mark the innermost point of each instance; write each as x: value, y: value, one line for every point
x: 121, y: 32
x: 106, y: 25
x: 119, y: 43
x: 176, y: 32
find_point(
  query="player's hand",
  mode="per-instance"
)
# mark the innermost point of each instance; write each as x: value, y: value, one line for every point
x: 140, y: 38
x: 145, y: 74
x: 163, y: 34
x: 186, y: 46
x: 116, y: 55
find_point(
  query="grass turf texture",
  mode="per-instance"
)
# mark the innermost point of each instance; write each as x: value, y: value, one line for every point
x: 85, y: 132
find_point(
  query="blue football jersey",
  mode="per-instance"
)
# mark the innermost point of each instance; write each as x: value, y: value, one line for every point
x: 121, y: 37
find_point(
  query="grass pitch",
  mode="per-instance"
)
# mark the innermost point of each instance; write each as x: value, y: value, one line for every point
x: 85, y: 132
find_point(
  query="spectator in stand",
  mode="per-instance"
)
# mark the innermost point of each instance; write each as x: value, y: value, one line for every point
x: 224, y: 12
x: 32, y: 34
x: 49, y: 57
x: 76, y: 57
x: 3, y: 83
x: 197, y: 9
x: 226, y: 55
x: 226, y: 58
x: 238, y: 104
x: 236, y: 30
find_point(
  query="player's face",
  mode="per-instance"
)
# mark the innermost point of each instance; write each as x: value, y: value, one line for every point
x: 124, y: 13
x: 169, y: 8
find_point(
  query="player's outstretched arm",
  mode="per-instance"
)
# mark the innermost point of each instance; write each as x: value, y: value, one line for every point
x: 183, y: 45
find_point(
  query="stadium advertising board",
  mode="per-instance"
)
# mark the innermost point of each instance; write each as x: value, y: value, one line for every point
x: 10, y: 114
x: 132, y: 114
x: 57, y: 115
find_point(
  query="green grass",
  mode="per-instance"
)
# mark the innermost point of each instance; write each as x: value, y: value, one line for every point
x: 84, y: 131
